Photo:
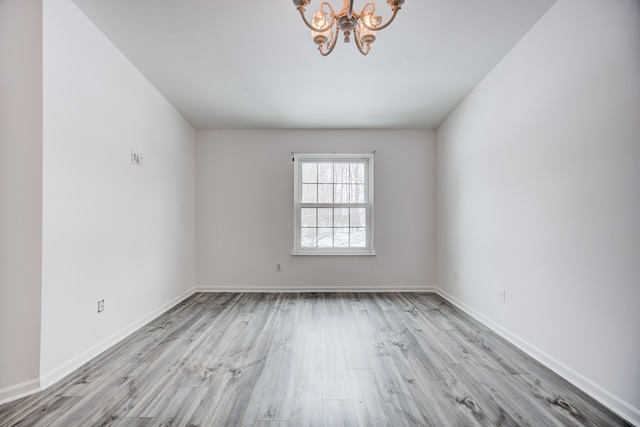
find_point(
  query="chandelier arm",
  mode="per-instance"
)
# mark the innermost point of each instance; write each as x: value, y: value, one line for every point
x: 359, y: 43
x: 394, y: 9
x: 312, y: 27
x: 332, y: 43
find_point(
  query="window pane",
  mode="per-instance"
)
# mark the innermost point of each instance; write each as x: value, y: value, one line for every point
x: 358, y: 237
x: 325, y: 172
x: 358, y: 217
x: 308, y: 237
x: 309, y: 193
x: 325, y: 237
x: 357, y: 193
x: 341, y: 173
x: 308, y: 217
x: 357, y: 173
x: 325, y: 193
x: 325, y: 217
x: 310, y: 172
x: 341, y: 193
x: 341, y: 217
x: 341, y: 238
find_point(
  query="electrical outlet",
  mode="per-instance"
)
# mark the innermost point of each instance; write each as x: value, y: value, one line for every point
x: 278, y: 267
x: 137, y: 157
x: 502, y: 295
x: 100, y: 306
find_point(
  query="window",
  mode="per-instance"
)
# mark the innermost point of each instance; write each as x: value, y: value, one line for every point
x: 333, y: 201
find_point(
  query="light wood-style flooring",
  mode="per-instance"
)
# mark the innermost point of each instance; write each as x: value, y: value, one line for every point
x: 311, y: 359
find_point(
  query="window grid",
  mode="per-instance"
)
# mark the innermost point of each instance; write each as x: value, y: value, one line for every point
x: 315, y: 184
x: 350, y: 235
x: 333, y: 210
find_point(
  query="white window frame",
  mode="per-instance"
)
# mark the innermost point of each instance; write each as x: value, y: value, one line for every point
x: 298, y: 160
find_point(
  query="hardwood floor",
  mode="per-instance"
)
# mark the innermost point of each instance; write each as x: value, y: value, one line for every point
x: 311, y: 359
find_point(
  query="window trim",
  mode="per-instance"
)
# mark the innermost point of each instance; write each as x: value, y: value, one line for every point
x: 298, y: 159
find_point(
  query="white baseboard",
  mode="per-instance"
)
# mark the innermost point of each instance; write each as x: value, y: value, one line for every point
x: 18, y: 391
x: 330, y: 288
x: 62, y: 371
x: 621, y: 407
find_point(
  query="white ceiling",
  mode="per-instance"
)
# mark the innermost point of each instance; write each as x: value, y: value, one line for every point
x: 252, y: 64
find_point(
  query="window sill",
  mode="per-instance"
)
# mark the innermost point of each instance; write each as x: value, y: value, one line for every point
x: 332, y: 253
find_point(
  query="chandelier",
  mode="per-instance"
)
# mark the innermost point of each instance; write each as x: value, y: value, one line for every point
x: 326, y: 23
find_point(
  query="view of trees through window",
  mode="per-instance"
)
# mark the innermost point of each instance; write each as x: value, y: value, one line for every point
x: 333, y: 204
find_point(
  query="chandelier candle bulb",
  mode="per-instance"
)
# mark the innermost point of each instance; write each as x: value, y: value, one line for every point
x: 326, y: 23
x: 320, y: 20
x: 367, y: 36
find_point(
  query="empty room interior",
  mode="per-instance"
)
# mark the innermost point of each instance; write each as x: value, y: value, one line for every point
x: 169, y: 254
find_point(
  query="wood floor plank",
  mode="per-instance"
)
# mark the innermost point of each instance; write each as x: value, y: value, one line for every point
x: 459, y: 404
x: 135, y: 422
x: 353, y: 344
x: 230, y: 393
x: 339, y: 413
x: 154, y: 391
x: 377, y: 305
x: 106, y: 404
x: 206, y: 353
x: 369, y: 328
x: 91, y: 376
x: 14, y: 412
x: 257, y: 323
x: 368, y: 401
x: 181, y: 407
x: 247, y: 302
x: 463, y: 350
x: 309, y: 318
x: 306, y: 403
x: 174, y: 336
x: 335, y: 383
x: 505, y: 354
x: 420, y: 379
x: 311, y: 359
x: 438, y: 312
x: 272, y: 424
x: 417, y: 318
x: 556, y: 397
x: 284, y: 317
x: 399, y: 404
x: 273, y: 393
x: 406, y: 346
x: 475, y: 399
x: 44, y: 414
x: 137, y: 347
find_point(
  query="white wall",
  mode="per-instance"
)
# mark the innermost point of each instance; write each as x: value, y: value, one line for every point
x: 20, y: 195
x: 245, y: 211
x: 111, y: 230
x: 539, y: 194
